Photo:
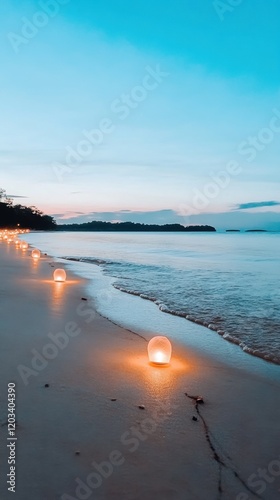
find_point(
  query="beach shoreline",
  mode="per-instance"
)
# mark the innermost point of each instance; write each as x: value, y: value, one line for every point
x: 96, y: 397
x: 228, y: 286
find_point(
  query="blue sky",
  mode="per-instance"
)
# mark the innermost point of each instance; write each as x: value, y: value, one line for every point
x: 172, y: 95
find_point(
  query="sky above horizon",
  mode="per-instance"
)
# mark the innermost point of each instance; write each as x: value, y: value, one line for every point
x: 146, y: 111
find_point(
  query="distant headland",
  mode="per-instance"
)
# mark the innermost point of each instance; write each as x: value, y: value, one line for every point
x: 132, y: 227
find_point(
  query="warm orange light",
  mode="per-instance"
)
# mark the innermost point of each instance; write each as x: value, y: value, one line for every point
x: 24, y: 245
x: 36, y: 254
x: 159, y: 350
x: 59, y: 275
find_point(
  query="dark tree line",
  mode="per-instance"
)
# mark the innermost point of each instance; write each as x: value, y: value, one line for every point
x: 132, y: 227
x: 19, y: 216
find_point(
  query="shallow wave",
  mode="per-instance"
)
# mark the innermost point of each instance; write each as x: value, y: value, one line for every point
x: 227, y: 336
x: 88, y: 260
x: 241, y: 325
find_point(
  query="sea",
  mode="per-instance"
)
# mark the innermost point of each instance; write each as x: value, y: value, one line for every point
x: 207, y: 290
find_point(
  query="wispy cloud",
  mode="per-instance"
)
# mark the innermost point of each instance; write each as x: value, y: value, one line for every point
x: 256, y: 204
x: 226, y: 220
x: 149, y: 217
x: 16, y: 196
x: 67, y: 215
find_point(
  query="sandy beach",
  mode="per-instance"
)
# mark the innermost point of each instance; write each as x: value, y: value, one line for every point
x: 96, y: 421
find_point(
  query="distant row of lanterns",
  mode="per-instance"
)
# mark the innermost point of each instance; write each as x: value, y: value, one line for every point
x: 59, y: 275
x: 159, y: 347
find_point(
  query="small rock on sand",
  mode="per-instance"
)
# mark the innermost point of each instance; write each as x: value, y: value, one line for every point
x: 200, y: 400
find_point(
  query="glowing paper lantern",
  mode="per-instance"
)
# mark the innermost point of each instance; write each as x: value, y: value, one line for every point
x: 159, y: 350
x: 36, y: 254
x: 24, y: 245
x: 59, y: 275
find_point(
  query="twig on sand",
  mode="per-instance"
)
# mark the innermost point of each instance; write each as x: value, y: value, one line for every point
x: 198, y: 401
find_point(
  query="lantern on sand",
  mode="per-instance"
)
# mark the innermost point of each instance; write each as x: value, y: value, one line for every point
x: 159, y: 350
x: 59, y: 275
x: 24, y: 245
x: 36, y: 254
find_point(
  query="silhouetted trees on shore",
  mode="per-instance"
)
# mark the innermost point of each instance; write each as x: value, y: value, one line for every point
x: 19, y: 216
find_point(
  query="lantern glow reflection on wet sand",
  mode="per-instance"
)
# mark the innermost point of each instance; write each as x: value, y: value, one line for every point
x: 59, y: 275
x: 36, y: 254
x: 159, y: 350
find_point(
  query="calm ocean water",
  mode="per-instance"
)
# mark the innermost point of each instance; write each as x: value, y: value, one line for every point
x: 227, y: 282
